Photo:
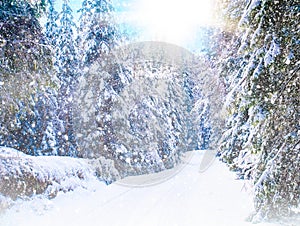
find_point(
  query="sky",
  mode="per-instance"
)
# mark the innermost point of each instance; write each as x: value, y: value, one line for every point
x: 172, y: 21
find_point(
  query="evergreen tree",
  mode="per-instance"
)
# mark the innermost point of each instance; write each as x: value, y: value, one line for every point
x: 67, y: 66
x: 51, y: 25
x: 97, y: 33
x: 262, y: 138
x: 49, y: 108
x: 66, y: 47
x: 25, y: 63
x: 22, y: 41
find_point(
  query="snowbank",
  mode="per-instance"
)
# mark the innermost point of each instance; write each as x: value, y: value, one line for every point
x: 22, y: 175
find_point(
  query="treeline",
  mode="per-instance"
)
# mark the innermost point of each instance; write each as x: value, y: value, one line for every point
x: 260, y: 68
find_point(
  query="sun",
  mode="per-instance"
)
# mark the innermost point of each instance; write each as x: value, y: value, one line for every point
x: 173, y: 21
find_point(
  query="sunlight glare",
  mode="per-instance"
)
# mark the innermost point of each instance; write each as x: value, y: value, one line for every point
x: 174, y: 20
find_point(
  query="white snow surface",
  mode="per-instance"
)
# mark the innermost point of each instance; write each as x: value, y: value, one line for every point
x: 213, y: 197
x: 62, y: 172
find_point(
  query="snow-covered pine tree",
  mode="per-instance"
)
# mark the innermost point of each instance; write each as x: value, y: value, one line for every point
x: 52, y: 143
x: 51, y: 25
x: 229, y: 64
x: 21, y: 38
x: 67, y: 66
x: 274, y: 93
x: 66, y: 45
x: 97, y: 33
x: 53, y: 126
x: 83, y: 28
x: 97, y: 36
x: 25, y: 62
x: 262, y: 140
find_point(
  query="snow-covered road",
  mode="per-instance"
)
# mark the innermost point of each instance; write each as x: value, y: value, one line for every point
x: 212, y: 197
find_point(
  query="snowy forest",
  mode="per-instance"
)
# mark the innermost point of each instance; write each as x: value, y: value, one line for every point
x: 82, y: 96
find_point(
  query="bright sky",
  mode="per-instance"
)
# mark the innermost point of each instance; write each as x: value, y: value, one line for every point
x: 174, y: 21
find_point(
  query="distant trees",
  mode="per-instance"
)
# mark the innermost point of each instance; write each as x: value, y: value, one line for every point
x: 143, y: 113
x: 133, y: 113
x: 262, y: 139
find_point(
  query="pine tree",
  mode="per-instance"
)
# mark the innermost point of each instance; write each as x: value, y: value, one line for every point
x: 51, y: 25
x: 66, y: 47
x: 274, y: 92
x: 49, y: 108
x: 25, y: 62
x: 262, y: 138
x: 67, y: 66
x: 97, y: 33
x: 22, y: 41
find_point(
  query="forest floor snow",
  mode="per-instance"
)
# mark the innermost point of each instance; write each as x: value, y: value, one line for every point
x: 210, y: 198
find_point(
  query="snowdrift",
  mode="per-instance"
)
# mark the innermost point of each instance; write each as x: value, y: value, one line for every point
x: 22, y: 175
